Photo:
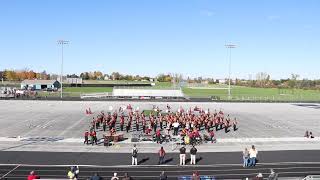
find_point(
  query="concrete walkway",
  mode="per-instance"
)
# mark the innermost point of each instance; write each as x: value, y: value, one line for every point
x: 222, y: 145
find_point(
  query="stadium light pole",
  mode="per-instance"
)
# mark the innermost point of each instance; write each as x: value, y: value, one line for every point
x: 62, y: 42
x: 230, y: 46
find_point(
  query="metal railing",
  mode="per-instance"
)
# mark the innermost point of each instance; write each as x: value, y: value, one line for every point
x: 96, y: 95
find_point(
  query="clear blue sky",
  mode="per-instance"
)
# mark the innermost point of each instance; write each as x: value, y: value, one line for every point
x: 150, y: 37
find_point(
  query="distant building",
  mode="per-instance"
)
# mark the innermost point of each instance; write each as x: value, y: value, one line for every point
x: 74, y: 80
x: 40, y: 84
x: 221, y: 81
x: 205, y: 82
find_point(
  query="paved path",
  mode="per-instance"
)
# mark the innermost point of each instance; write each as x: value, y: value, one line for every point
x: 223, y: 145
x: 67, y: 119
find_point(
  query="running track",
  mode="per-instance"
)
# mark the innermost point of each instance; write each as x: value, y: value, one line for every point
x: 16, y: 165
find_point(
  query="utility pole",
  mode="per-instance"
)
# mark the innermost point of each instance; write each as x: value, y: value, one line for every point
x: 62, y: 42
x: 230, y: 46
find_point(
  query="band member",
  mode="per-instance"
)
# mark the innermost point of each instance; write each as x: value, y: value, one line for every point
x: 235, y: 123
x: 94, y: 139
x: 137, y: 123
x: 128, y: 125
x: 104, y: 125
x: 86, y: 137
x: 121, y: 122
x: 112, y: 132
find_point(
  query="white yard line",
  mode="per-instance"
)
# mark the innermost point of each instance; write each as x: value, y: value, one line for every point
x: 10, y: 171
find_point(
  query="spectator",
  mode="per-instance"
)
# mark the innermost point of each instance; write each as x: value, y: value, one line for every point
x: 195, y: 175
x: 96, y: 177
x: 193, y: 153
x: 273, y: 175
x: 162, y: 154
x: 253, y: 156
x: 134, y: 155
x: 115, y: 176
x: 245, y: 155
x: 182, y: 156
x: 126, y: 177
x: 75, y: 170
x: 33, y: 175
x: 71, y: 175
x: 258, y: 177
x: 163, y: 176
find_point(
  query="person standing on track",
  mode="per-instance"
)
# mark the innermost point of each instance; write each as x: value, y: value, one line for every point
x: 253, y: 156
x: 193, y: 153
x: 134, y: 155
x: 162, y: 154
x: 182, y: 156
x: 245, y: 155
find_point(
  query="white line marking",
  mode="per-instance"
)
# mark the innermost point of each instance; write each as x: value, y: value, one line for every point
x: 72, y: 126
x: 10, y: 172
x: 189, y: 170
x: 167, y: 166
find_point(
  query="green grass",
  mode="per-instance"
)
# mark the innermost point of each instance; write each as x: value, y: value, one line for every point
x: 256, y: 94
x: 75, y: 91
x: 239, y: 93
x: 114, y: 82
x: 148, y: 112
x: 163, y: 84
x: 87, y: 89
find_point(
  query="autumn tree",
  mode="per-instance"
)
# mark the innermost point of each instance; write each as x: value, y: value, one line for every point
x: 9, y: 75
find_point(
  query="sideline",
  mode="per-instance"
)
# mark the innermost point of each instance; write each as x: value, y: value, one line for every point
x: 164, y: 166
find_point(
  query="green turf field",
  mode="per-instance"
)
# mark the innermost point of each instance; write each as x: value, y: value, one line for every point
x: 114, y: 82
x: 256, y: 94
x: 239, y: 93
x: 88, y: 89
x: 75, y: 91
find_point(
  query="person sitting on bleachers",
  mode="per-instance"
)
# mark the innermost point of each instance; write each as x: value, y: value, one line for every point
x: 33, y: 175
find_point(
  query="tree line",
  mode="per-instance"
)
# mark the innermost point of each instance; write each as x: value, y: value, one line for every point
x: 262, y: 80
x: 20, y: 75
